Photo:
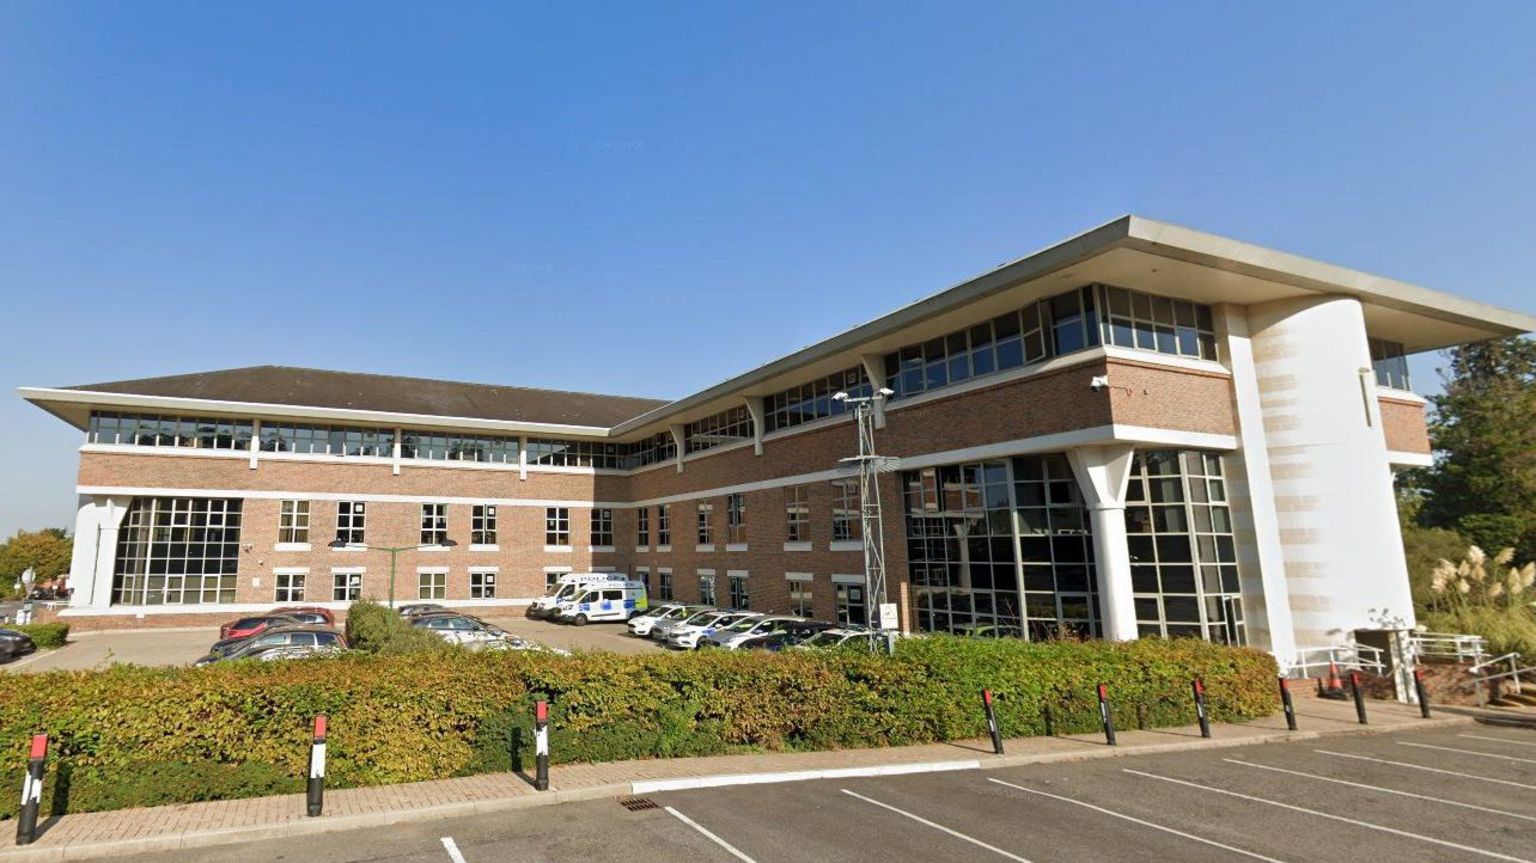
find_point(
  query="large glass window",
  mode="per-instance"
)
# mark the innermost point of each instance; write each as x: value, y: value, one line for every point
x: 1390, y: 364
x: 706, y: 529
x: 176, y: 551
x: 727, y: 427
x: 111, y: 427
x: 663, y: 524
x: 350, y: 517
x: 813, y: 401
x: 707, y: 589
x: 735, y: 518
x: 801, y: 601
x: 482, y: 524
x: 643, y: 526
x: 657, y: 448
x: 1132, y: 319
x: 346, y: 585
x: 293, y: 522
x: 575, y: 453
x: 845, y: 510
x: 557, y: 525
x: 850, y: 604
x: 797, y: 514
x: 602, y: 527
x: 1183, y: 552
x: 738, y: 589
x: 289, y: 585
x: 482, y: 584
x: 434, y: 523
x: 432, y: 585
x: 279, y: 436
x: 442, y: 446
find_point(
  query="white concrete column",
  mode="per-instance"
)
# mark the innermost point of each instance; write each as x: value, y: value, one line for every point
x: 676, y: 431
x: 874, y: 369
x: 755, y: 408
x: 95, y: 550
x: 1102, y: 473
x: 255, y: 442
x: 522, y: 458
x: 399, y: 439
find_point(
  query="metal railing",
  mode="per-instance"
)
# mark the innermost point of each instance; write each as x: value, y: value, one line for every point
x: 1360, y: 657
x: 1448, y: 645
x: 1513, y: 672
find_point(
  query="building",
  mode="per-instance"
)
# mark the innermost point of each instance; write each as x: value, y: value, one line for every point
x: 1141, y: 431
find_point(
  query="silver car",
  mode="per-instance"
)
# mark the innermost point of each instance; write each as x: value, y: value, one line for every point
x: 641, y: 625
x: 748, y: 627
x: 663, y: 629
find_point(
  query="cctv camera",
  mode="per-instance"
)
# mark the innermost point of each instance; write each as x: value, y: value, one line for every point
x: 1099, y: 383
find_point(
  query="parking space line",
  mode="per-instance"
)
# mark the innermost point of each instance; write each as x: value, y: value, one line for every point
x: 453, y: 850
x: 734, y: 851
x: 1135, y: 820
x: 955, y: 833
x: 1329, y: 815
x: 1498, y: 740
x: 1383, y: 790
x: 1468, y: 752
x: 1510, y: 782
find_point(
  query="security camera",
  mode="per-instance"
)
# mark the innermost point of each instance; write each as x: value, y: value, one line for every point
x: 1099, y: 383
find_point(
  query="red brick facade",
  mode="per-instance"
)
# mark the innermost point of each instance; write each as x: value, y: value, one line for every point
x: 1403, y: 423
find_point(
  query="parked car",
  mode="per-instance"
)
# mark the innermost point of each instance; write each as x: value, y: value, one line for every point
x: 246, y: 627
x: 729, y: 637
x: 611, y: 600
x: 308, y: 613
x: 641, y: 625
x: 837, y: 637
x: 14, y: 643
x: 414, y: 608
x: 296, y: 635
x: 663, y: 628
x: 787, y: 636
x: 566, y: 588
x: 989, y: 630
x: 688, y: 635
x: 457, y: 628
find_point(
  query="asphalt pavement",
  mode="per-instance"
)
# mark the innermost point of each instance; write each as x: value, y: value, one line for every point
x: 1466, y: 793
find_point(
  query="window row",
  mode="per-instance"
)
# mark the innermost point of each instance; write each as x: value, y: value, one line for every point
x: 346, y: 585
x: 813, y: 401
x: 726, y: 427
x: 352, y: 516
x: 188, y: 432
x: 845, y: 517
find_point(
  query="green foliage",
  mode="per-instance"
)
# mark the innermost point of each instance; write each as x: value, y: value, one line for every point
x: 45, y: 635
x: 374, y: 628
x: 129, y: 735
x: 1508, y: 630
x: 1491, y: 597
x: 45, y: 551
x: 1424, y: 548
x: 1483, y: 483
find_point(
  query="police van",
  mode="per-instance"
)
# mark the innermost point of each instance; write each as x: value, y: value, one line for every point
x: 607, y: 600
x: 568, y: 587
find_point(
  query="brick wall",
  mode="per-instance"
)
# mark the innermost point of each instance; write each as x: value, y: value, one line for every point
x: 1404, y: 425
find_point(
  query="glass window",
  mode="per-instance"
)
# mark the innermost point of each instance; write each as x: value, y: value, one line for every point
x: 850, y: 604
x: 557, y: 525
x: 664, y: 584
x: 738, y: 589
x: 1390, y: 364
x: 727, y: 427
x: 290, y: 586
x: 482, y: 584
x: 735, y: 518
x: 797, y: 514
x: 658, y: 448
x: 446, y: 446
x: 482, y: 524
x: 846, y: 524
x: 813, y: 400
x: 663, y: 524
x: 346, y: 586
x: 801, y: 602
x: 177, y: 551
x: 576, y: 453
x: 350, y: 515
x: 279, y: 436
x: 432, y: 585
x: 602, y: 527
x: 706, y: 530
x: 293, y: 522
x: 434, y: 523
x: 707, y: 589
x: 111, y: 427
x: 643, y: 526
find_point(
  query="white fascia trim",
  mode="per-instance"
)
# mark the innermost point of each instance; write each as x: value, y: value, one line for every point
x: 432, y: 549
x: 291, y: 546
x: 1410, y: 459
x: 705, y: 573
x: 846, y: 545
x: 642, y: 549
x: 1395, y: 395
x: 663, y: 570
x: 704, y: 547
x: 736, y: 546
x: 184, y: 452
x: 601, y: 549
x: 253, y: 494
x: 663, y: 549
x: 473, y: 547
x: 290, y: 570
x: 797, y: 546
x: 737, y: 573
x: 557, y: 568
x: 847, y: 578
x: 799, y: 576
x: 267, y: 410
x: 431, y: 570
x: 485, y: 570
x: 349, y: 570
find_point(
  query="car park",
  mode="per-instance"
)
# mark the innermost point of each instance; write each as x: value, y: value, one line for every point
x: 642, y: 624
x: 246, y: 627
x: 415, y: 608
x: 308, y: 636
x: 729, y: 637
x: 663, y: 628
x: 618, y: 601
x: 14, y: 643
x: 457, y: 628
x: 567, y: 588
x: 688, y: 635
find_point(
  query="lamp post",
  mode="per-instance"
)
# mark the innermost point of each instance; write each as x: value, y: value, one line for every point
x: 394, y: 551
x: 869, y: 467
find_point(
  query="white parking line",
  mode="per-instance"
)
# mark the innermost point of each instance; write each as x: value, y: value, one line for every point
x: 1429, y: 769
x: 1468, y: 752
x: 1498, y: 740
x: 1384, y: 790
x: 735, y: 852
x: 955, y: 833
x: 1329, y: 815
x: 1139, y: 821
x: 453, y: 850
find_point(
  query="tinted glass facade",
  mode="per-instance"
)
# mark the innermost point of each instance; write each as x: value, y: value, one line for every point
x: 177, y: 551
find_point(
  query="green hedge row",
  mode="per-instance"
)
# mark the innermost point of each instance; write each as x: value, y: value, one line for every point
x: 44, y: 635
x: 132, y: 736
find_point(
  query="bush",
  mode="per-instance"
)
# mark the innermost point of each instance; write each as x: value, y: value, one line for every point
x: 44, y: 635
x: 130, y: 736
x: 373, y: 628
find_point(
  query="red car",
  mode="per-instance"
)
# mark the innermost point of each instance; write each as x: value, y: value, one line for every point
x: 246, y: 627
x: 308, y: 613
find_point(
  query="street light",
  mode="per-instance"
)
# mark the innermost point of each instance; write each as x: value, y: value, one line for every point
x: 342, y: 545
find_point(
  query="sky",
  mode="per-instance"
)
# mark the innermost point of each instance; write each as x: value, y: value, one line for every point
x: 649, y: 198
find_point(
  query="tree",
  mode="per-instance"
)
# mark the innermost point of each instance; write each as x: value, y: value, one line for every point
x: 1483, y: 483
x: 46, y: 552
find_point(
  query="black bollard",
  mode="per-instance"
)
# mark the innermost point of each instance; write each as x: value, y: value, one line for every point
x: 32, y: 791
x: 1285, y: 703
x: 541, y: 745
x: 1050, y: 721
x: 1354, y: 685
x: 316, y: 795
x: 1205, y: 721
x: 1418, y: 688
x: 1109, y: 722
x: 997, y: 734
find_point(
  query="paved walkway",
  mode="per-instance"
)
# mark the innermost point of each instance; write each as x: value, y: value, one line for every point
x: 107, y: 834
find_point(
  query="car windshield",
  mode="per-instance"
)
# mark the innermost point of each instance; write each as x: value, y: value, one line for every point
x: 824, y: 639
x: 248, y: 623
x: 701, y: 616
x: 744, y: 624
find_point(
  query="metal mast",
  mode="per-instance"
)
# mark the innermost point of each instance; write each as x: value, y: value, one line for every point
x: 869, y: 467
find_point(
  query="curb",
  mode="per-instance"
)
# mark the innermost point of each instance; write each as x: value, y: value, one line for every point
x: 556, y: 795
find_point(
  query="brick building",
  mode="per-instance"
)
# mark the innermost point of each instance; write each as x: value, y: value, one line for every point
x: 1144, y: 430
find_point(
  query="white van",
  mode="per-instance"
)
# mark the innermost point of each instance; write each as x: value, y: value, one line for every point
x: 608, y: 600
x: 568, y: 587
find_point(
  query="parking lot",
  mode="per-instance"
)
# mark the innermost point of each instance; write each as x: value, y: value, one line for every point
x: 1467, y: 793
x: 88, y: 650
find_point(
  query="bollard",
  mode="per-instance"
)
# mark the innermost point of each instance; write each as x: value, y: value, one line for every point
x: 1285, y: 703
x: 1109, y: 722
x: 32, y: 791
x: 541, y: 745
x: 1354, y: 685
x: 1418, y: 688
x: 997, y: 734
x: 1205, y: 721
x: 1050, y: 721
x: 316, y: 795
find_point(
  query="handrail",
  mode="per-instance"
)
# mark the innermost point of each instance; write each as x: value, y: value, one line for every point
x: 1448, y: 645
x: 1512, y: 657
x: 1513, y: 673
x: 1352, y: 655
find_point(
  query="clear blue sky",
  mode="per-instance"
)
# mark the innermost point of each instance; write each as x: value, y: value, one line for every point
x: 647, y: 199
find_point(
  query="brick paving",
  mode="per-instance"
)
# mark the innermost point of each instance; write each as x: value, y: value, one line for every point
x: 106, y: 834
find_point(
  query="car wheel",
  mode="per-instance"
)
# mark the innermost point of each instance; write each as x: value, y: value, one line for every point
x: 581, y: 620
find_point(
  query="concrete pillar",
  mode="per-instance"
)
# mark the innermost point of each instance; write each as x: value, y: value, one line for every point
x: 95, y: 550
x: 755, y: 408
x: 1102, y: 473
x: 874, y: 369
x: 678, y: 438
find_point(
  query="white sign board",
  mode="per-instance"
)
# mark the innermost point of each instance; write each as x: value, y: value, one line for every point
x: 888, y: 618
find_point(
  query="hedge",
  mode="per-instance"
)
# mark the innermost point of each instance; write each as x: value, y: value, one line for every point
x: 130, y: 736
x: 44, y: 635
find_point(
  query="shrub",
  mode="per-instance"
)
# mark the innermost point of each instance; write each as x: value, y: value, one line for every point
x: 373, y: 628
x: 44, y: 635
x: 128, y: 735
x: 1495, y: 601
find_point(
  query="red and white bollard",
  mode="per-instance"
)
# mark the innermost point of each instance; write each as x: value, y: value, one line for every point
x: 317, y: 768
x: 992, y: 727
x: 1104, y: 715
x: 32, y: 791
x: 541, y: 745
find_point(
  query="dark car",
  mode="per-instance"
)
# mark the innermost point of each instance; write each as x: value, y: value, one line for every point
x: 789, y: 636
x: 14, y: 644
x: 246, y: 627
x: 308, y: 613
x: 319, y: 639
